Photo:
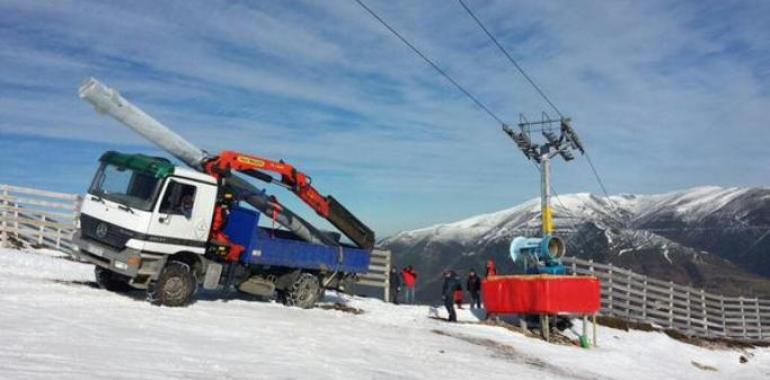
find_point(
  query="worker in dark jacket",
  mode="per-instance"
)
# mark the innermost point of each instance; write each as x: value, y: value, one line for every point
x: 473, y: 285
x: 451, y: 283
x: 395, y: 285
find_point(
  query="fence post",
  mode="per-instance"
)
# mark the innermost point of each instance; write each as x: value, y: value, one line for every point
x: 688, y: 294
x: 16, y: 219
x: 759, y: 318
x: 724, y: 316
x: 644, y: 299
x: 629, y: 279
x: 16, y: 207
x: 743, y: 316
x: 41, y: 230
x: 611, y: 289
x: 58, y: 238
x: 387, y: 278
x: 704, y: 312
x: 671, y: 304
x: 4, y: 215
x: 574, y: 268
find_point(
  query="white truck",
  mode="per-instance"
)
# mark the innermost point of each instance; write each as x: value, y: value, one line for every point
x: 149, y: 224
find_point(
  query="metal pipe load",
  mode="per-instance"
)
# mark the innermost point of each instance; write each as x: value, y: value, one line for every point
x: 107, y: 100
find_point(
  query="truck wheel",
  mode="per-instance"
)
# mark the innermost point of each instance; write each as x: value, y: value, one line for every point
x: 110, y: 280
x: 304, y: 292
x: 175, y: 286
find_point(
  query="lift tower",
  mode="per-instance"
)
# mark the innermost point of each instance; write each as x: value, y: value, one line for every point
x: 560, y: 139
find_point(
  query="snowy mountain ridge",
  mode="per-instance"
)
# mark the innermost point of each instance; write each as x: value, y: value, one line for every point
x: 707, y: 236
x: 693, y: 204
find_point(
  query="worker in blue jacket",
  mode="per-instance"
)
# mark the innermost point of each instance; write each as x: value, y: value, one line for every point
x: 451, y: 284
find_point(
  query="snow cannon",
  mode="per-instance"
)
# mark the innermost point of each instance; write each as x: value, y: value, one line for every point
x: 539, y: 255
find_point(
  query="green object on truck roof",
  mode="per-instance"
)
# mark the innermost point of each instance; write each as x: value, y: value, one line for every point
x: 156, y: 166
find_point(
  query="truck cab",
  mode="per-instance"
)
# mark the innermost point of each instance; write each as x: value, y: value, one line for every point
x: 139, y: 211
x: 146, y: 223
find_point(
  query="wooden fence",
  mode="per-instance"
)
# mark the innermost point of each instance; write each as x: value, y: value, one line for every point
x: 47, y: 219
x: 37, y: 218
x: 688, y: 310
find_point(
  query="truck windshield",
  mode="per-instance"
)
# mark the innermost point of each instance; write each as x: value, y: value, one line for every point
x: 125, y: 186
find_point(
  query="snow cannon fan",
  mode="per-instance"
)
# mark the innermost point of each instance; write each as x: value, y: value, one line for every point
x: 540, y: 255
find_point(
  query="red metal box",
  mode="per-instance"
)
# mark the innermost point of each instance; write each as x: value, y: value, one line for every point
x: 541, y: 294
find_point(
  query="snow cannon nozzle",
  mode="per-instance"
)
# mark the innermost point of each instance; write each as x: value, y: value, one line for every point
x: 539, y: 255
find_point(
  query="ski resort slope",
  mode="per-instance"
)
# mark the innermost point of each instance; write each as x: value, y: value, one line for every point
x: 55, y: 324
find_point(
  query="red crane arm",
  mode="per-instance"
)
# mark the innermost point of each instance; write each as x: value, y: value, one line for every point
x: 299, y: 183
x: 296, y: 181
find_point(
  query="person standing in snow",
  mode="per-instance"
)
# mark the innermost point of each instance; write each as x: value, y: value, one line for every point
x: 410, y: 280
x: 395, y: 285
x: 491, y: 271
x: 458, y: 294
x: 473, y: 286
x: 447, y: 294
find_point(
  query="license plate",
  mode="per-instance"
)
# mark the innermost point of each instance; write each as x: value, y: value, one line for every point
x: 98, y: 251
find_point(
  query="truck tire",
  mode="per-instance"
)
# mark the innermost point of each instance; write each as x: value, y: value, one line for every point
x: 109, y: 280
x: 304, y: 292
x: 175, y: 286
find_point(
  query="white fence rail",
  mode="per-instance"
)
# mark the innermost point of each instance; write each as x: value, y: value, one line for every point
x: 36, y: 217
x: 688, y: 310
x: 47, y: 219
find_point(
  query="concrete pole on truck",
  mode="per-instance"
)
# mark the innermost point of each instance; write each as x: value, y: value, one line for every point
x: 109, y: 101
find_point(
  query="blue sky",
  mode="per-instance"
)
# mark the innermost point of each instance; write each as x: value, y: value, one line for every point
x: 665, y: 95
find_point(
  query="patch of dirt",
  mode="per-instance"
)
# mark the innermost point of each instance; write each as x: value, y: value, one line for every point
x: 703, y: 366
x: 622, y: 324
x: 556, y: 336
x: 14, y: 242
x: 343, y: 308
x: 714, y: 343
x: 711, y: 343
x: 436, y: 318
x: 90, y: 284
x: 507, y: 352
x: 508, y: 326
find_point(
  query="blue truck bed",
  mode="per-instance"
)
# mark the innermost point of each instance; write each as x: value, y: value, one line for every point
x: 265, y: 246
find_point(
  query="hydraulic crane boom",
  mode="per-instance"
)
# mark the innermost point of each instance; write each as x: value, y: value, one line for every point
x: 108, y: 100
x: 298, y: 183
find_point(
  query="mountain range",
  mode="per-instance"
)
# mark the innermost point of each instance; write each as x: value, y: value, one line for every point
x: 708, y: 237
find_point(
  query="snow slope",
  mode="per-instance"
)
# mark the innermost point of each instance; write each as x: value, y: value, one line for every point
x: 53, y: 324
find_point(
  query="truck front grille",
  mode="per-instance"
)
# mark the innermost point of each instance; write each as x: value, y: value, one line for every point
x: 104, y: 232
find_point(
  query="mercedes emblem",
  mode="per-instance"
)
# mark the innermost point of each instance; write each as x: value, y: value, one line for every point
x: 101, y: 230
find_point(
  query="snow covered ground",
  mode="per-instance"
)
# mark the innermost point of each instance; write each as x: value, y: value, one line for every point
x: 54, y: 324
